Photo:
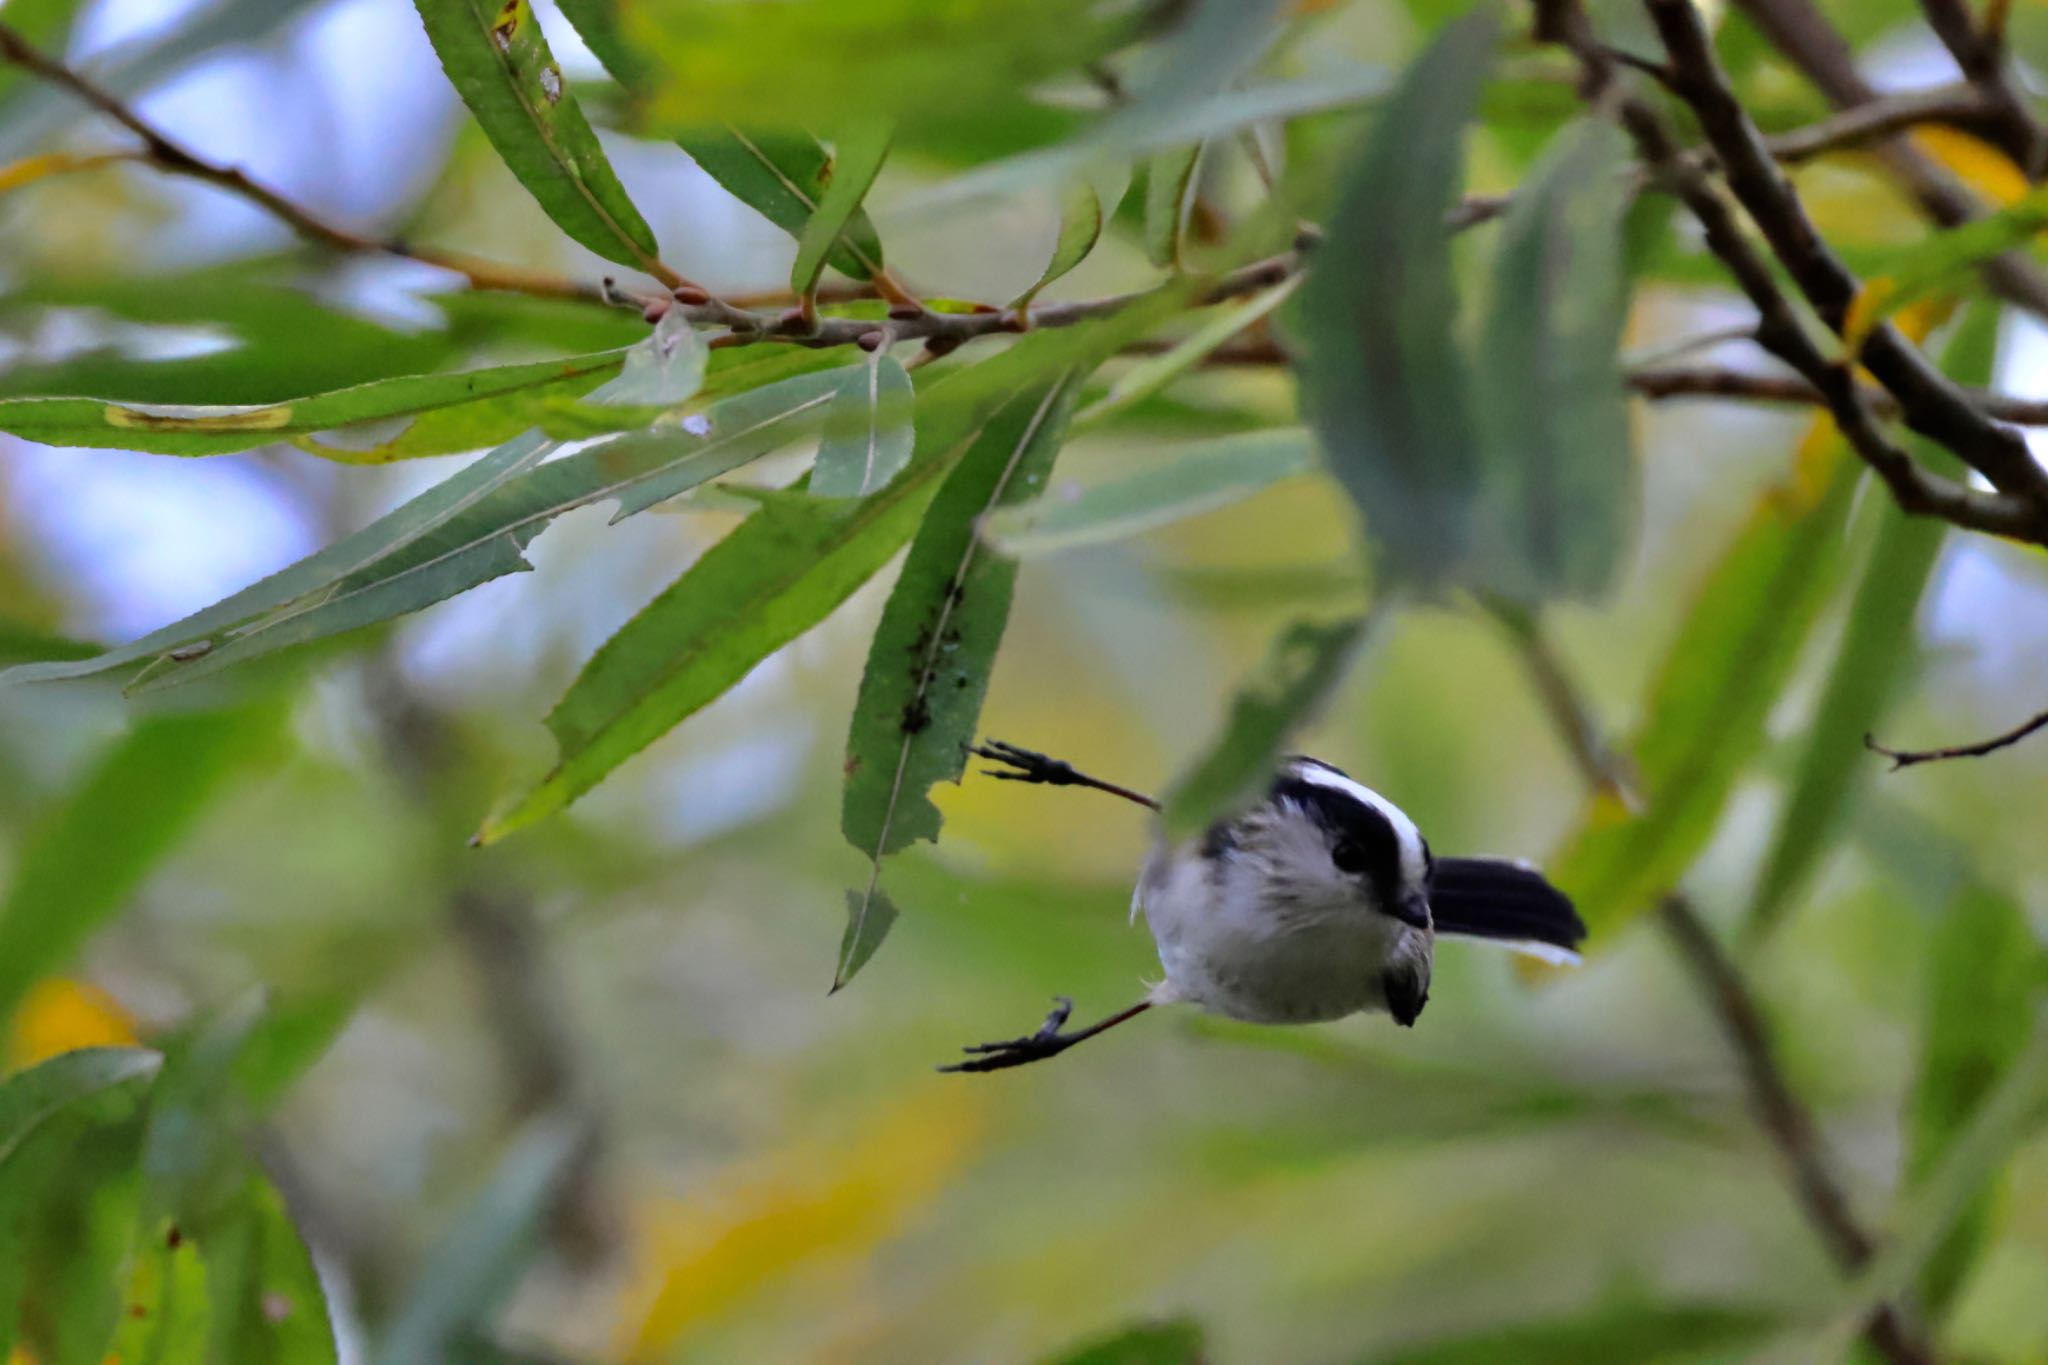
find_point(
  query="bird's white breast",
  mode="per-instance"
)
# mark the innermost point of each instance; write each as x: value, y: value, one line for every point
x: 1229, y: 947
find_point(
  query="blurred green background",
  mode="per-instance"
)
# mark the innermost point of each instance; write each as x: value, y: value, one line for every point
x: 1555, y: 1169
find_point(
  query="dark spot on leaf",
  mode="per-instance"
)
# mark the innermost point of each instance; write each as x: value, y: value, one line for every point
x: 136, y: 1310
x: 507, y: 25
x: 916, y: 715
x: 175, y: 1238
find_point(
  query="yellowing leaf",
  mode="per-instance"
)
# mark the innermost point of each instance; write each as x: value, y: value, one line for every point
x: 62, y: 1015
x: 1977, y: 163
x: 702, y: 1258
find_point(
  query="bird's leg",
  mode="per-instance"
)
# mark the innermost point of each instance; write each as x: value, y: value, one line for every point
x: 1026, y: 765
x: 1047, y: 1042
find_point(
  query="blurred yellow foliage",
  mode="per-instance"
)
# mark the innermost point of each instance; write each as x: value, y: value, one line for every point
x: 700, y: 1258
x: 1976, y: 163
x: 62, y: 1015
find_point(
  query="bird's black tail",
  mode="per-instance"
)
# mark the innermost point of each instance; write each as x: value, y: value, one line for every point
x: 1507, y: 902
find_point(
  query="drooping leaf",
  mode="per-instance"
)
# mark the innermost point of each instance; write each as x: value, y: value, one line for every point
x: 1169, y: 189
x: 1557, y: 477
x: 1193, y: 480
x: 646, y: 377
x: 779, y: 573
x: 477, y: 1261
x: 111, y: 1078
x: 1148, y: 376
x: 861, y: 153
x: 928, y: 668
x: 1161, y: 1343
x: 870, y: 914
x: 1878, y: 645
x: 488, y: 538
x: 498, y: 61
x: 868, y: 430
x: 1300, y: 672
x: 1721, y: 675
x: 1985, y: 976
x: 150, y: 787
x: 1081, y: 218
x: 1383, y: 380
x: 782, y: 176
x: 176, y: 429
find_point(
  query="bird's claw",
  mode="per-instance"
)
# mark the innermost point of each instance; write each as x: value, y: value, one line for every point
x: 1024, y: 765
x: 1047, y: 1042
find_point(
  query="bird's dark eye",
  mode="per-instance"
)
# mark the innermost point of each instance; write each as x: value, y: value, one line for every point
x: 1349, y: 856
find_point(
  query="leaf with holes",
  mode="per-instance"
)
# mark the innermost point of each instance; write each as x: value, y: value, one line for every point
x: 498, y: 61
x: 928, y: 668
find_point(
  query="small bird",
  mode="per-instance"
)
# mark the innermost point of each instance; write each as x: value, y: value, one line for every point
x: 1321, y: 900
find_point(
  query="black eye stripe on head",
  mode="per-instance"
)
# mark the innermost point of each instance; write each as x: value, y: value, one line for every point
x: 1363, y: 841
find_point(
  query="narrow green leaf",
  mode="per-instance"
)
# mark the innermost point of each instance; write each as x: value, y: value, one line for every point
x: 1878, y: 646
x: 1383, y: 379
x: 597, y: 23
x: 869, y: 917
x: 1081, y: 217
x: 780, y: 572
x: 110, y: 1078
x: 1193, y: 480
x: 782, y: 176
x: 268, y: 1307
x: 151, y: 786
x: 2007, y: 1116
x: 498, y: 61
x: 928, y: 668
x: 861, y: 153
x: 169, y: 1317
x: 178, y: 429
x: 479, y: 1258
x: 1557, y: 476
x: 1147, y: 377
x: 1161, y: 1343
x: 1169, y: 190
x: 489, y: 538
x: 650, y: 375
x: 1713, y: 693
x: 1943, y: 260
x: 868, y: 430
x: 1984, y: 977
x: 1302, y: 669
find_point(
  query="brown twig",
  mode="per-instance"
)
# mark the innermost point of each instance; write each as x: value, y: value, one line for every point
x: 165, y: 154
x: 1928, y: 402
x: 1806, y: 38
x: 1857, y: 126
x: 1779, y: 1112
x: 2013, y: 127
x: 1906, y: 758
x: 1779, y: 328
x: 1710, y: 381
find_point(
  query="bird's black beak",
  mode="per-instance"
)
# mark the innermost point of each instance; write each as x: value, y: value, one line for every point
x: 1413, y: 910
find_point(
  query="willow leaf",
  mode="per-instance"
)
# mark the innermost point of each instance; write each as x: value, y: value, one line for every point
x: 781, y: 176
x: 946, y: 617
x: 498, y: 61
x: 868, y: 431
x: 861, y: 153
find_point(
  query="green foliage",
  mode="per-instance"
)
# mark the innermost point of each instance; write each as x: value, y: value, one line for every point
x: 868, y: 430
x: 1165, y: 1343
x: 500, y: 64
x: 1623, y: 1334
x: 861, y: 153
x: 147, y: 789
x: 928, y: 669
x: 782, y: 176
x: 1383, y: 379
x: 1169, y: 190
x: 1081, y: 221
x: 1197, y: 478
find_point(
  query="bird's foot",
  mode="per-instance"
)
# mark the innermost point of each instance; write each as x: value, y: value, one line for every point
x: 1034, y: 1047
x: 1025, y: 765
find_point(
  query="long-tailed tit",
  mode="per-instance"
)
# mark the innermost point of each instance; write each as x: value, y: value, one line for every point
x: 1321, y: 900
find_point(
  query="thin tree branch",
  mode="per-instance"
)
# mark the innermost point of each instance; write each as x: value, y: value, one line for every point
x: 171, y: 157
x: 1785, y: 1121
x: 1906, y: 758
x: 1779, y: 328
x: 1803, y: 34
x: 1712, y: 381
x: 1981, y: 56
x: 1928, y: 402
x: 1883, y: 117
